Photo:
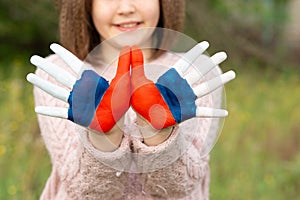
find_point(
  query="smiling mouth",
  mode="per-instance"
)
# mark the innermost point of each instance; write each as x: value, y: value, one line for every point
x: 129, y: 25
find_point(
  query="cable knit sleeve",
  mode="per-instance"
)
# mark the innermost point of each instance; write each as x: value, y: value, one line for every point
x: 174, y: 169
x: 79, y: 170
x: 87, y: 173
x: 179, y: 166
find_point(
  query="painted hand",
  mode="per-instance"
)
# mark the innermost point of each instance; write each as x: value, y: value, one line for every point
x: 172, y: 99
x: 93, y: 101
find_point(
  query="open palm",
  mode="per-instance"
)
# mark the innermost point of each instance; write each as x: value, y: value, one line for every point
x: 93, y: 101
x: 172, y: 99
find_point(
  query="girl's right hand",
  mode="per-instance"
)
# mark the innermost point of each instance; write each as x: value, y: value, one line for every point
x: 91, y: 97
x: 172, y: 99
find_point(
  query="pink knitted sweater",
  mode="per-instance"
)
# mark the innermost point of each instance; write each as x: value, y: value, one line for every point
x: 175, y: 169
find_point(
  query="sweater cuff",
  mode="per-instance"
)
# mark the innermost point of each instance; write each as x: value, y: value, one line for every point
x: 120, y: 159
x: 152, y: 158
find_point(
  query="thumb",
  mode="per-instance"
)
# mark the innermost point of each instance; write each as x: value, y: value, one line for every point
x: 124, y: 62
x: 137, y: 63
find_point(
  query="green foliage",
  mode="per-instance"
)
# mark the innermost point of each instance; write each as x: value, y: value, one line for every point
x: 258, y: 14
x: 252, y: 30
x: 257, y: 155
x: 26, y: 25
x: 24, y: 163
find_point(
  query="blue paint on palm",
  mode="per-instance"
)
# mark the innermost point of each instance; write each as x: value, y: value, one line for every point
x: 85, y: 97
x: 178, y: 94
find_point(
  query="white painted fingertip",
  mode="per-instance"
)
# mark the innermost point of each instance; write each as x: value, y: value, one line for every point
x: 74, y: 63
x: 55, y: 47
x: 40, y: 110
x: 33, y: 59
x: 196, y: 51
x: 211, y: 85
x: 231, y: 75
x: 204, y: 45
x: 56, y: 72
x: 211, y: 112
x: 52, y: 111
x: 48, y: 87
x: 189, y: 57
x: 30, y: 77
x: 228, y: 76
x: 225, y: 113
x: 219, y: 57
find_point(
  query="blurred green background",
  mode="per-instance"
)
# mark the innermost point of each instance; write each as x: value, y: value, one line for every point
x: 258, y: 153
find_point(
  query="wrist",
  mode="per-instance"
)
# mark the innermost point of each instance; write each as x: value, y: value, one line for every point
x: 158, y: 137
x: 152, y: 136
x: 106, y: 142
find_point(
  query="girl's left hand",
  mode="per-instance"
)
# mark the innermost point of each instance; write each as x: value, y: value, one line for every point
x: 172, y: 99
x: 93, y: 102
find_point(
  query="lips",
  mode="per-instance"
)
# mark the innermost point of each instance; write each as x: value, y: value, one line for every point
x: 128, y: 26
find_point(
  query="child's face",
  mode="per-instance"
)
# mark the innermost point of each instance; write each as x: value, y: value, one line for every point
x: 112, y: 17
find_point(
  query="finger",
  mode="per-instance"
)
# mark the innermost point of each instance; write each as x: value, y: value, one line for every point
x: 137, y: 63
x: 52, y: 111
x: 48, y: 87
x: 209, y: 86
x: 210, y: 112
x: 124, y: 61
x: 188, y: 58
x: 203, y: 65
x: 216, y: 59
x: 75, y: 63
x: 53, y: 70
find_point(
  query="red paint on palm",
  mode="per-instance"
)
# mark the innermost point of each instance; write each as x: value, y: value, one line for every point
x: 146, y: 98
x: 116, y: 100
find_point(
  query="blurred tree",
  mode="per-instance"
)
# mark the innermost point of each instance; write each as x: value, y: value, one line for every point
x: 244, y: 28
x: 247, y: 29
x: 292, y: 29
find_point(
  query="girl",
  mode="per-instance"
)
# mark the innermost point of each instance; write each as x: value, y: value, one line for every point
x: 125, y: 162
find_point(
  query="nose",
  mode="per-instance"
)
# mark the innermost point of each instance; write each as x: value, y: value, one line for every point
x: 126, y: 7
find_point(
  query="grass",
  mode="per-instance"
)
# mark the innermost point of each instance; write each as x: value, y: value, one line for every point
x: 256, y: 157
x: 24, y: 162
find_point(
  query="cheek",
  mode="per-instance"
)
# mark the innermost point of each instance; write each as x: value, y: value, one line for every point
x: 101, y: 17
x: 154, y: 18
x: 151, y: 12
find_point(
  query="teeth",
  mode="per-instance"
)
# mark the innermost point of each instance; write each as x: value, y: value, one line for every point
x: 128, y: 25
